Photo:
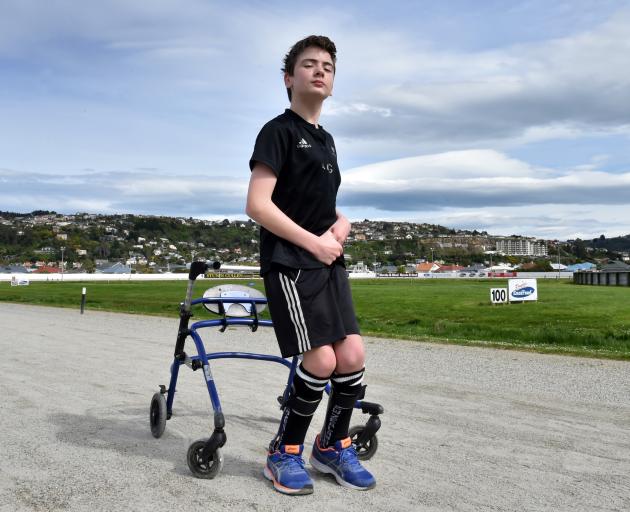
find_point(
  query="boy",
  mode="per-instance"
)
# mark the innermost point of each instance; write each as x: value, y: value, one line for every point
x: 292, y: 195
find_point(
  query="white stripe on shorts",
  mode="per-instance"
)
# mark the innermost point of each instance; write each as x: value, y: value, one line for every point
x: 307, y: 341
x: 295, y: 311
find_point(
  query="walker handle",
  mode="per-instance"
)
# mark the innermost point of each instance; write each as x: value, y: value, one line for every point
x: 197, y: 268
x: 201, y: 267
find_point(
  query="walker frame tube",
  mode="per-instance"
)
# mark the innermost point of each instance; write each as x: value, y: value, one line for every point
x: 204, y: 358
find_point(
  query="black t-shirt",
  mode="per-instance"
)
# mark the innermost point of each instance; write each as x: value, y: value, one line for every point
x: 304, y: 159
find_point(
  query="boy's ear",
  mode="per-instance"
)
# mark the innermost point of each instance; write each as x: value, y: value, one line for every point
x: 288, y: 80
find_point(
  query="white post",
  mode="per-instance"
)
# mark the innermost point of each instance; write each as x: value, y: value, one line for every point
x: 558, y: 248
x: 83, y: 299
x: 62, y: 249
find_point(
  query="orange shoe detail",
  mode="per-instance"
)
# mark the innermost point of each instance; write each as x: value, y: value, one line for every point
x: 293, y: 448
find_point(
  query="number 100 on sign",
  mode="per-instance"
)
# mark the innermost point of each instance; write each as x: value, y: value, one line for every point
x: 498, y: 295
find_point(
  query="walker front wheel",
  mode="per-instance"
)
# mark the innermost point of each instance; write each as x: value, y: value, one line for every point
x: 198, y: 466
x: 367, y: 449
x: 157, y: 414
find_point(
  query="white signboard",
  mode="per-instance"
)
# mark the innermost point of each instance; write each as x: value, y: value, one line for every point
x: 19, y: 281
x: 498, y: 295
x: 522, y: 290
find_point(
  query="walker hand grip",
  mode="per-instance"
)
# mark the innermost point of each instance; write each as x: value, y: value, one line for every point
x: 198, y: 268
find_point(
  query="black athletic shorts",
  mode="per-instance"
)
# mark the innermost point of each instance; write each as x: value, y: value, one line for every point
x: 309, y: 307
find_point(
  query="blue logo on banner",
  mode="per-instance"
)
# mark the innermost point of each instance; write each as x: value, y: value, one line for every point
x: 523, y: 292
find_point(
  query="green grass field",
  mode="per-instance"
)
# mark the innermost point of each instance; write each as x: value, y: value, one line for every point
x: 569, y: 319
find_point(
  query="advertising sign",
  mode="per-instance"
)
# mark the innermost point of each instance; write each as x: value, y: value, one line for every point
x: 522, y: 289
x: 19, y: 281
x: 498, y: 295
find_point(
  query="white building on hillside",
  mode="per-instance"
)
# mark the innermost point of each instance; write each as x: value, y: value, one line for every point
x: 522, y: 247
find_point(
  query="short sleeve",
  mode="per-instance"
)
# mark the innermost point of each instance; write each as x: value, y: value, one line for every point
x: 271, y: 147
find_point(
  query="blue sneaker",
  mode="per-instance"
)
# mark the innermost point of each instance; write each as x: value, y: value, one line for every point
x: 285, y: 468
x: 340, y: 460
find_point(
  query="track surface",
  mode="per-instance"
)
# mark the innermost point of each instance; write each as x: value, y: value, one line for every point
x: 464, y: 428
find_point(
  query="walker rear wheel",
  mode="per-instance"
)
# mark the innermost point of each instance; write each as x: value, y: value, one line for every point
x: 367, y: 449
x: 157, y: 414
x: 199, y: 467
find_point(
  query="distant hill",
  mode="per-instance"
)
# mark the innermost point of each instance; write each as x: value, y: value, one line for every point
x: 149, y: 242
x: 158, y: 241
x: 616, y: 244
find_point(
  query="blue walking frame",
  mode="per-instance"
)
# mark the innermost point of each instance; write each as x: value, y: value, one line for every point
x: 204, y: 456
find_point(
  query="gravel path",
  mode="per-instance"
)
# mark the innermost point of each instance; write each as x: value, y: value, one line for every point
x: 464, y: 428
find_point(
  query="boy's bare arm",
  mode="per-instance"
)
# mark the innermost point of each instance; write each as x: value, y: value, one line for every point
x: 262, y: 209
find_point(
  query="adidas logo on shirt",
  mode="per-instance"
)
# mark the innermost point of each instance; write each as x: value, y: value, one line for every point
x: 303, y: 144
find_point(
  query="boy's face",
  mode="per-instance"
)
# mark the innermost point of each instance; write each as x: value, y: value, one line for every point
x: 313, y: 75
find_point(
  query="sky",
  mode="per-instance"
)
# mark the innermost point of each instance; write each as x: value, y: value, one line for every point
x: 511, y: 117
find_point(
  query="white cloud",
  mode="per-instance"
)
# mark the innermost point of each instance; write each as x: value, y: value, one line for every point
x: 153, y: 192
x: 334, y: 109
x: 563, y: 88
x: 476, y: 179
x: 547, y: 221
x: 183, y: 187
x: 487, y: 190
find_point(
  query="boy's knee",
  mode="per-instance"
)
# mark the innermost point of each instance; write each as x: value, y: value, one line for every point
x: 350, y: 362
x: 320, y: 361
x: 350, y: 354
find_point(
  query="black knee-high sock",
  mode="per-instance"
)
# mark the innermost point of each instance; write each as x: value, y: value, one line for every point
x: 345, y: 389
x: 306, y: 393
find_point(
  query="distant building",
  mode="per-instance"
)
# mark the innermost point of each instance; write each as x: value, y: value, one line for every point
x: 13, y: 269
x: 46, y: 269
x: 581, y: 266
x: 359, y: 268
x: 44, y: 250
x: 615, y: 266
x: 427, y: 266
x: 450, y: 268
x: 115, y: 268
x: 522, y: 247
